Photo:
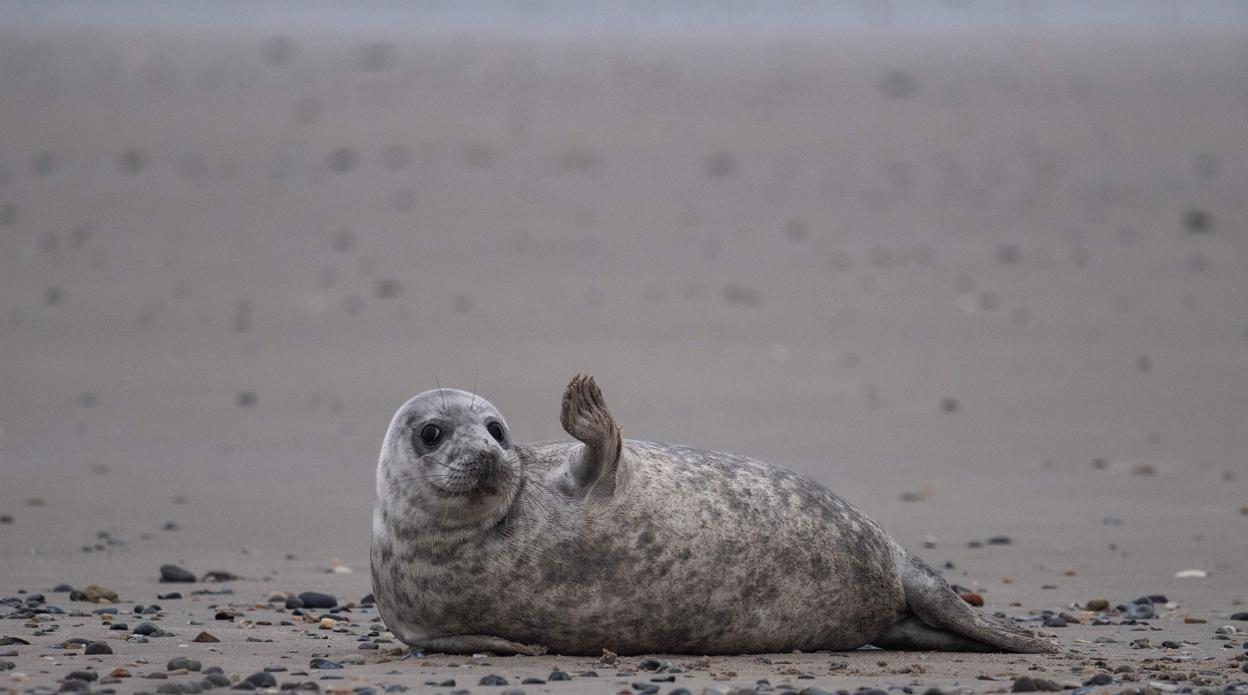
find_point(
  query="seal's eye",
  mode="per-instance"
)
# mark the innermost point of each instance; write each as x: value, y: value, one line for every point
x: 430, y: 435
x: 496, y: 431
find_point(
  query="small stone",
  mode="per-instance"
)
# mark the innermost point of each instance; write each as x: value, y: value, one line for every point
x: 1027, y: 684
x: 1191, y: 574
x: 558, y: 676
x: 119, y: 673
x: 205, y: 637
x: 324, y: 664
x: 1100, y: 679
x: 94, y: 594
x: 146, y: 629
x: 1099, y: 605
x: 261, y: 679
x: 328, y: 623
x: 312, y: 599
x: 171, y: 574
x: 649, y: 665
x: 1000, y: 540
x: 87, y: 676
x: 492, y: 680
x: 220, y: 576
x: 218, y: 680
x: 182, y: 662
x: 98, y: 648
x: 1197, y: 221
x: 171, y: 596
x: 1239, y: 616
x: 1054, y: 621
x: 293, y: 602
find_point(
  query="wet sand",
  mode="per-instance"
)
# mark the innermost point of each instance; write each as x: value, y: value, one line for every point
x: 980, y: 283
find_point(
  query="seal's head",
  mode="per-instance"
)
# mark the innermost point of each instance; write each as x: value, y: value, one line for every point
x: 448, y: 456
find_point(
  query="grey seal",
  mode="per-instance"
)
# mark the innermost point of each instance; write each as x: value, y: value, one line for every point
x: 482, y: 544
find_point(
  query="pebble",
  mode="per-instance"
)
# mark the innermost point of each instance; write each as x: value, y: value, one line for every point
x: 94, y: 594
x: 324, y: 664
x: 973, y: 599
x: 1097, y: 604
x: 492, y: 680
x: 148, y: 630
x: 1100, y: 679
x: 98, y: 648
x: 261, y: 679
x: 83, y: 676
x: 172, y: 574
x: 182, y: 662
x: 312, y: 599
x: 205, y: 637
x: 1027, y: 684
x: 220, y: 576
x: 1239, y: 616
x: 558, y: 676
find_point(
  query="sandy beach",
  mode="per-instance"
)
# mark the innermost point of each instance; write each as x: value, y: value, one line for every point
x: 987, y: 280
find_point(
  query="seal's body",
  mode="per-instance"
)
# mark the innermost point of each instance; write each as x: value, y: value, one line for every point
x: 483, y: 545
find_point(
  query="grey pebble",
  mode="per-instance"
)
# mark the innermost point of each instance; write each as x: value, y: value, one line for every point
x: 218, y: 680
x: 98, y: 648
x: 324, y: 664
x: 83, y: 676
x: 178, y: 662
x: 1027, y: 684
x: 261, y: 679
x: 172, y: 574
x: 313, y: 599
x: 492, y: 680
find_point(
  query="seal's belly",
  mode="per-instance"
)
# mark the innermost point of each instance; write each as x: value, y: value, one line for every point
x: 706, y: 553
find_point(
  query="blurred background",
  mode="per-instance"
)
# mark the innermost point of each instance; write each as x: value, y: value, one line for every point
x: 978, y: 266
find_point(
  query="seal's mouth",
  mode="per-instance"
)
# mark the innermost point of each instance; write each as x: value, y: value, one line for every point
x: 483, y: 475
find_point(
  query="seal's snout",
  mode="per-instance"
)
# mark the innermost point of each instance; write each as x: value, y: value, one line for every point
x: 481, y: 472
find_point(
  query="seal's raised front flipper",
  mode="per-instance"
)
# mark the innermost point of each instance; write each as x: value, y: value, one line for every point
x: 941, y: 620
x: 584, y: 415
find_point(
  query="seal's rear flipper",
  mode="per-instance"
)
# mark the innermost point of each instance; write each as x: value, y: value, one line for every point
x: 936, y: 605
x: 584, y: 415
x: 912, y: 634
